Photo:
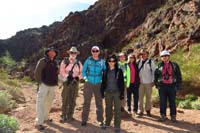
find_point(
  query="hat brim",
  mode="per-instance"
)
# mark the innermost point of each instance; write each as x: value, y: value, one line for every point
x: 77, y: 52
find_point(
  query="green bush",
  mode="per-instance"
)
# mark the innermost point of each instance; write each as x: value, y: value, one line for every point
x: 190, y: 97
x: 8, y: 124
x: 6, y: 102
x: 186, y: 104
x: 195, y: 105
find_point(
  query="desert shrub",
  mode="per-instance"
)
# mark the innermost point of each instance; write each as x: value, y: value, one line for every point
x: 190, y: 97
x: 155, y: 97
x: 16, y: 94
x: 195, y: 105
x: 8, y: 124
x: 6, y: 102
x: 186, y: 104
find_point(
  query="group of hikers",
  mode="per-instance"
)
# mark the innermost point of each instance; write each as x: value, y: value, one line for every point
x: 122, y: 80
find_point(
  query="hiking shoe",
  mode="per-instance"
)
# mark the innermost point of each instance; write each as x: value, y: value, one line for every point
x: 148, y: 113
x: 100, y: 124
x: 49, y: 120
x: 84, y: 123
x: 163, y: 118
x: 140, y: 114
x: 122, y: 109
x: 40, y: 127
x: 117, y: 130
x: 173, y: 119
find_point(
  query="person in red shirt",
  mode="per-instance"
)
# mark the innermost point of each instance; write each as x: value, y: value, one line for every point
x: 168, y: 79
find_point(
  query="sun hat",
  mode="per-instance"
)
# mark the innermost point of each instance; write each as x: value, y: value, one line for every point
x: 165, y: 52
x: 51, y: 49
x: 74, y: 50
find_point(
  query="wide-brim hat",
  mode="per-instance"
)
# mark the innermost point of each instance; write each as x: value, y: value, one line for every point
x: 73, y: 49
x: 51, y: 49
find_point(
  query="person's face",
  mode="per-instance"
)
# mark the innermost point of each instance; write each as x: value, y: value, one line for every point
x: 131, y: 59
x: 51, y: 54
x: 95, y: 52
x: 144, y: 55
x: 111, y: 62
x: 165, y: 58
x: 122, y: 58
x: 73, y: 55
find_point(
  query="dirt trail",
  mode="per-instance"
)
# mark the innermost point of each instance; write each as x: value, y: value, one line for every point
x: 188, y: 120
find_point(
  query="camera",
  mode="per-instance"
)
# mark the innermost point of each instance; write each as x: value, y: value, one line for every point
x: 166, y: 76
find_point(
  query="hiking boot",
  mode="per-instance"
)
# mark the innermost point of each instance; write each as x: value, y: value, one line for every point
x: 101, y: 124
x: 84, y: 123
x: 117, y: 130
x: 140, y: 114
x: 40, y: 127
x: 122, y: 109
x: 173, y: 119
x: 148, y: 113
x: 163, y: 118
x: 49, y: 120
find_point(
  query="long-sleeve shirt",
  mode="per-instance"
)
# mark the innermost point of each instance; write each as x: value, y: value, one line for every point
x: 126, y: 72
x: 77, y: 70
x: 146, y: 73
x: 93, y: 70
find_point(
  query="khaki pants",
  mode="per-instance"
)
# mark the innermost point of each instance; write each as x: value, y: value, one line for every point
x: 89, y: 90
x: 44, y: 101
x: 145, y: 90
x: 69, y: 95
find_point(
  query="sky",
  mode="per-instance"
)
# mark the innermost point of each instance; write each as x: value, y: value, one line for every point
x: 17, y: 15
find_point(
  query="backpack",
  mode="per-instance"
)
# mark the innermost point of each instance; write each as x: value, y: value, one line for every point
x: 66, y: 61
x: 143, y: 64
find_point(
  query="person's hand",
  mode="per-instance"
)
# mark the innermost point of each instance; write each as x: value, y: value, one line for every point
x: 178, y: 87
x: 121, y: 97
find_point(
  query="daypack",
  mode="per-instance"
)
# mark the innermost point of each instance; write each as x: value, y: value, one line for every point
x: 143, y: 64
x: 66, y: 61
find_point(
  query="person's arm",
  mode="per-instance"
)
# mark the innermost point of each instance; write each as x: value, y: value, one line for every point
x: 84, y: 70
x: 128, y: 76
x: 38, y: 70
x: 121, y: 84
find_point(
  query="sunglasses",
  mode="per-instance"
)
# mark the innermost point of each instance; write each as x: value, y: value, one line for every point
x: 72, y: 52
x: 111, y: 61
x: 164, y: 56
x: 95, y: 51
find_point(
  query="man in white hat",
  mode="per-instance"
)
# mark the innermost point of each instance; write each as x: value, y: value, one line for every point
x: 167, y: 79
x: 92, y: 73
x: 70, y: 70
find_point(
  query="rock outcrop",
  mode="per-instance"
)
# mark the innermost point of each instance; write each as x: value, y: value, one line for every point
x: 113, y: 25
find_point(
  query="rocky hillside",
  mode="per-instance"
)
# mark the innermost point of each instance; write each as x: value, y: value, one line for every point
x: 114, y: 24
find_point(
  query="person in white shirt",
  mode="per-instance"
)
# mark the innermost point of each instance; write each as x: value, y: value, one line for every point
x: 146, y: 69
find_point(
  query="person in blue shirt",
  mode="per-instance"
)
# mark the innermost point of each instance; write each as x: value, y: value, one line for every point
x: 92, y: 73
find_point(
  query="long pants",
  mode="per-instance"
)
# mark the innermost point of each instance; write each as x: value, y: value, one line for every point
x: 69, y: 95
x: 110, y: 98
x: 167, y: 92
x: 44, y: 101
x: 145, y: 90
x: 133, y: 91
x: 89, y: 90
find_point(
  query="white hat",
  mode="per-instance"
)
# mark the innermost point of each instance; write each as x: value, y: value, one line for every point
x: 95, y: 47
x: 164, y: 52
x: 121, y: 54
